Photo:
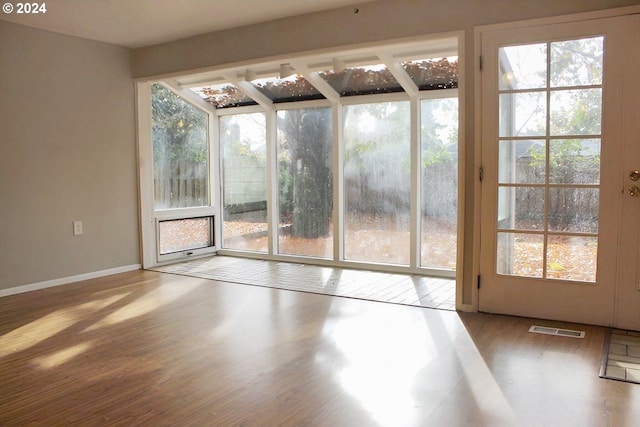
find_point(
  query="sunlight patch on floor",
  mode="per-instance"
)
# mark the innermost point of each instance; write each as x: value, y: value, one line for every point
x: 51, y: 324
x: 61, y: 357
x: 146, y: 303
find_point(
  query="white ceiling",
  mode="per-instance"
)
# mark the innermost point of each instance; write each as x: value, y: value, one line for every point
x: 136, y: 23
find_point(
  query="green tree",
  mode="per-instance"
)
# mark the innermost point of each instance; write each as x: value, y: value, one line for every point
x: 180, y: 151
x: 306, y: 143
x: 178, y: 127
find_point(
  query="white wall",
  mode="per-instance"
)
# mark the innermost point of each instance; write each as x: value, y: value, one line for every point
x: 67, y: 152
x: 375, y: 21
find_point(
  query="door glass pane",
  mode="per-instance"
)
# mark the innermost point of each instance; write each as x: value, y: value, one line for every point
x: 574, y: 161
x: 523, y: 67
x: 574, y: 209
x: 572, y: 258
x: 521, y: 208
x: 244, y: 182
x: 523, y: 114
x: 520, y: 254
x: 439, y: 163
x: 377, y: 147
x: 180, y: 151
x: 522, y: 162
x: 577, y: 62
x: 305, y: 177
x: 576, y: 112
x: 183, y: 234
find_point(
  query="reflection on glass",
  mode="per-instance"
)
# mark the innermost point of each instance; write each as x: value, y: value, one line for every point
x: 574, y: 161
x: 521, y: 208
x: 572, y: 258
x: 305, y: 140
x: 288, y: 89
x: 576, y: 112
x: 224, y: 95
x: 439, y: 163
x: 523, y: 114
x: 244, y: 177
x: 180, y: 151
x: 523, y: 67
x: 577, y: 62
x: 376, y: 182
x: 184, y: 234
x: 429, y: 74
x: 574, y: 209
x: 522, y: 162
x: 362, y: 80
x: 520, y: 254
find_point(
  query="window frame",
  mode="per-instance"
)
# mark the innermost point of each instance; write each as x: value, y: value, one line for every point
x: 391, y: 54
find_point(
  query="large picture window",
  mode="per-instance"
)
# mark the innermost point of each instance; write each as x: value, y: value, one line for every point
x: 377, y: 182
x: 439, y: 181
x: 244, y: 179
x: 347, y: 158
x: 305, y: 182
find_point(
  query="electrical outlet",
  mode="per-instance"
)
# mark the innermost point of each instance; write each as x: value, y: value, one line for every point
x: 77, y: 228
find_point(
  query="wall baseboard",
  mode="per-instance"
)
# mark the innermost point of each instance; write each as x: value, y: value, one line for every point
x: 67, y: 280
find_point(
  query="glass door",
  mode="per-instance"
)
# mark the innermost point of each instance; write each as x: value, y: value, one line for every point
x: 552, y: 153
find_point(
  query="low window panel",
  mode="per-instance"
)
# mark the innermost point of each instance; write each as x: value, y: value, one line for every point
x: 178, y: 235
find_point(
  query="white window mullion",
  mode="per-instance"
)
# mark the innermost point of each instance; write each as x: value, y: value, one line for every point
x: 215, y: 177
x: 272, y: 180
x: 338, y: 183
x: 415, y: 228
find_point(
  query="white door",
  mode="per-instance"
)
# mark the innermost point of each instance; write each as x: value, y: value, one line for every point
x: 627, y: 308
x: 559, y: 228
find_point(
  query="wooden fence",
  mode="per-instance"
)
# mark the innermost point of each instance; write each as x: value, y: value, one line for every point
x: 180, y: 184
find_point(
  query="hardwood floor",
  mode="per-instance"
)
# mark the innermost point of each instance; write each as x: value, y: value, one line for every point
x: 147, y: 348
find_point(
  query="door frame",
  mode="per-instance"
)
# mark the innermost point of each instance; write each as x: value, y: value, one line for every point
x: 479, y: 33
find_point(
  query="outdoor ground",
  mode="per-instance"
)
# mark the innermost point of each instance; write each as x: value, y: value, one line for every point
x: 379, y: 240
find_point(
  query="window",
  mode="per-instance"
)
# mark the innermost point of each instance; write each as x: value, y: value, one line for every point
x: 439, y: 181
x: 377, y: 182
x: 364, y: 80
x: 244, y: 178
x: 224, y: 95
x: 180, y: 151
x: 288, y: 89
x: 178, y: 235
x: 315, y: 157
x: 430, y: 74
x: 305, y: 182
